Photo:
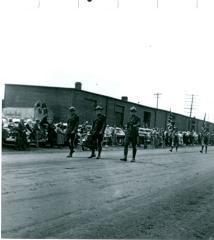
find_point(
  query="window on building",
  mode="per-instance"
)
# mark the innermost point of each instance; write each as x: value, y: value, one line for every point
x: 119, y: 115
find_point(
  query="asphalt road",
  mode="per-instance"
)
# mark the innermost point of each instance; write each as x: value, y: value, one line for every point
x: 162, y: 196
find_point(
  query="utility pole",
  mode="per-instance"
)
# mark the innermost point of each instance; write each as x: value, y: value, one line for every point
x: 157, y: 96
x: 191, y: 106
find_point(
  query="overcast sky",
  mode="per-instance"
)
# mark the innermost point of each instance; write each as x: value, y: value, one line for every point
x: 135, y: 50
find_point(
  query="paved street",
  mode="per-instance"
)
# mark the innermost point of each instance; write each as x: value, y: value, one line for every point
x: 163, y: 195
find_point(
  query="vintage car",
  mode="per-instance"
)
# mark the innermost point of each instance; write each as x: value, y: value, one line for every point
x: 9, y: 133
x: 144, y: 135
x: 114, y: 136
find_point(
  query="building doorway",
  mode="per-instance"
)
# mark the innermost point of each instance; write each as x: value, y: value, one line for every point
x: 147, y: 119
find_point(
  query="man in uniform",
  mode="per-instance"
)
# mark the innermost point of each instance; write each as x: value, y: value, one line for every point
x: 131, y: 134
x: 174, y: 139
x: 97, y: 132
x: 204, y: 139
x: 72, y: 126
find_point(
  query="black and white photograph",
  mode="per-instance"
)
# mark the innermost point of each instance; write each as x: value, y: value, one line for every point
x: 107, y: 119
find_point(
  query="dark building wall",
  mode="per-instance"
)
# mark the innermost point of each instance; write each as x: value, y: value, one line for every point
x: 116, y: 111
x: 181, y: 122
x: 161, y: 119
x: 85, y: 104
x: 59, y: 100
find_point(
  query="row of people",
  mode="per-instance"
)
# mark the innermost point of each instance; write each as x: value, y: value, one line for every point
x: 97, y: 132
x: 131, y: 136
x: 61, y: 134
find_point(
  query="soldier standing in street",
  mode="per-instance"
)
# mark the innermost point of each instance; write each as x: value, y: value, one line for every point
x: 174, y: 139
x: 72, y: 126
x: 131, y: 134
x: 204, y: 139
x: 97, y: 132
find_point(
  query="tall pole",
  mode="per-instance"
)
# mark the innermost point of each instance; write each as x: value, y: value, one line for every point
x: 191, y: 106
x: 190, y: 112
x: 157, y: 96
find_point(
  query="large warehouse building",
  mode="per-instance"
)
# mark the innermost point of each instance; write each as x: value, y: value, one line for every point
x: 19, y: 101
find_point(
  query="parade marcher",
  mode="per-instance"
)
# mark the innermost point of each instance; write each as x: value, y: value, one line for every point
x: 174, y: 140
x: 21, y: 138
x: 204, y: 139
x: 72, y: 126
x: 131, y: 134
x: 97, y: 132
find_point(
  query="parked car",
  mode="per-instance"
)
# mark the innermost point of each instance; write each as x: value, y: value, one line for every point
x: 9, y: 135
x: 119, y: 136
x: 144, y: 135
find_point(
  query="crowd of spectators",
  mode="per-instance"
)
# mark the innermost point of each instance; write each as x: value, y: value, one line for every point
x: 24, y: 133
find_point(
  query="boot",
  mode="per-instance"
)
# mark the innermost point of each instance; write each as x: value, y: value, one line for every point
x: 70, y: 154
x: 92, y: 154
x: 134, y: 151
x: 99, y: 154
x: 202, y: 148
x: 125, y: 155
